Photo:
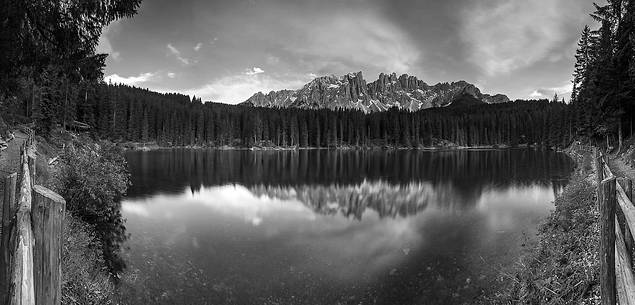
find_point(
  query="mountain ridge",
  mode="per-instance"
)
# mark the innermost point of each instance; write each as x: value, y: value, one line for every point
x: 351, y: 91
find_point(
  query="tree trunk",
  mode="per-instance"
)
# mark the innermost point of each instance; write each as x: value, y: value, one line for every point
x: 65, y: 105
x: 619, y: 136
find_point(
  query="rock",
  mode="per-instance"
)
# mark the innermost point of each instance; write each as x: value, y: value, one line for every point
x: 352, y: 92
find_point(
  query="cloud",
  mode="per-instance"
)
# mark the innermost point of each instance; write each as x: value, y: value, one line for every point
x: 131, y: 80
x: 177, y: 53
x: 238, y: 88
x: 104, y: 45
x: 171, y: 74
x: 536, y: 94
x: 344, y: 41
x: 504, y: 36
x: 198, y: 46
x: 272, y: 60
x: 254, y: 71
x: 563, y: 91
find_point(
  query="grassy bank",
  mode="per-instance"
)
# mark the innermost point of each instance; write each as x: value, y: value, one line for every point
x: 562, y: 266
x: 91, y: 176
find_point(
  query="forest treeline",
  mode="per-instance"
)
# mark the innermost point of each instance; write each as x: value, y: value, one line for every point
x: 604, y: 75
x: 124, y: 113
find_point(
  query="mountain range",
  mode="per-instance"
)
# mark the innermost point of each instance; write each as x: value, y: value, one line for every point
x: 352, y: 92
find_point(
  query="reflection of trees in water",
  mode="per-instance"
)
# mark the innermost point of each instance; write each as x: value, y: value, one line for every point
x: 172, y: 170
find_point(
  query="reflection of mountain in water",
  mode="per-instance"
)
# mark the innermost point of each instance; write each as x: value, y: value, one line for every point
x: 467, y: 171
x: 352, y: 201
x: 387, y: 200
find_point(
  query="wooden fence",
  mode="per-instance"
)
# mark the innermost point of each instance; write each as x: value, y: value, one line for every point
x: 617, y: 223
x: 32, y: 223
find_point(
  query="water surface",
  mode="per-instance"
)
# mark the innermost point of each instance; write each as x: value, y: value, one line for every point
x: 331, y: 227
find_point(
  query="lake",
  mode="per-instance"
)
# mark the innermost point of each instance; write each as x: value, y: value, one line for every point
x: 331, y: 226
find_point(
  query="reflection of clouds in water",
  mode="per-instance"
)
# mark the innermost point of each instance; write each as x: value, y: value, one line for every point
x: 230, y: 200
x: 337, y: 244
x: 316, y: 221
x: 364, y: 248
x: 502, y: 208
x: 135, y: 209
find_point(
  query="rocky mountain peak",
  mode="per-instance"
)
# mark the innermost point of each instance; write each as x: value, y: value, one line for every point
x: 352, y: 92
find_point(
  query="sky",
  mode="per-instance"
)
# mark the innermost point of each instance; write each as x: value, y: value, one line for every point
x: 227, y: 50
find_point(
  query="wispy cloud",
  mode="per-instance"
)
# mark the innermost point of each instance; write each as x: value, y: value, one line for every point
x: 198, y: 46
x: 238, y: 88
x: 177, y: 53
x: 130, y: 80
x: 504, y: 36
x: 171, y: 75
x: 369, y: 40
x: 254, y: 71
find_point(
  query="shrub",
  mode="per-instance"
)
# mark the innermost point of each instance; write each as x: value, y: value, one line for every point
x: 85, y: 279
x: 93, y: 180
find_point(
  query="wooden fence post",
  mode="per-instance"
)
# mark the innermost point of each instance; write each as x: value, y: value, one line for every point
x: 607, y: 241
x: 31, y: 157
x: 627, y: 185
x: 9, y: 209
x: 21, y: 284
x: 599, y: 173
x: 47, y: 214
x: 599, y: 166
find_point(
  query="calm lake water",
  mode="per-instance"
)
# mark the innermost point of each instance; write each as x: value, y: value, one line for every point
x: 331, y: 227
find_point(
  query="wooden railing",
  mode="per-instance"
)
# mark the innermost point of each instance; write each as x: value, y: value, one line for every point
x: 617, y: 223
x: 30, y: 256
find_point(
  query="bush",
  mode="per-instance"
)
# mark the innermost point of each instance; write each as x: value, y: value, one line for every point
x: 93, y: 180
x: 85, y: 279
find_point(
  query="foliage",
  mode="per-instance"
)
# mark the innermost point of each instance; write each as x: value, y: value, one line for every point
x: 85, y: 275
x: 47, y: 50
x: 93, y: 180
x: 604, y: 74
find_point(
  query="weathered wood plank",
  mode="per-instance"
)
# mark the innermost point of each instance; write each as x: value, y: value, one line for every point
x: 627, y: 208
x: 9, y: 208
x: 627, y: 185
x: 22, y: 286
x: 599, y: 171
x: 625, y: 280
x: 47, y: 214
x: 607, y: 241
x: 31, y: 159
x: 22, y: 290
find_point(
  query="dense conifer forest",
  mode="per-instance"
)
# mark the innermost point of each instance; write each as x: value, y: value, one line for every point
x: 125, y: 113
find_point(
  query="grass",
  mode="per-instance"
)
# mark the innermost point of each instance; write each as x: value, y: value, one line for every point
x: 85, y: 277
x: 562, y: 267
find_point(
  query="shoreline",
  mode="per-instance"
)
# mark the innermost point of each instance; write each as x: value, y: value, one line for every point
x: 562, y: 264
x: 153, y: 147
